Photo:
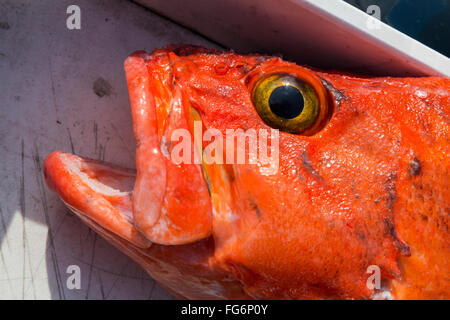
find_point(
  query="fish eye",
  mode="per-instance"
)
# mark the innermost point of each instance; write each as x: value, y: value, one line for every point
x: 288, y: 103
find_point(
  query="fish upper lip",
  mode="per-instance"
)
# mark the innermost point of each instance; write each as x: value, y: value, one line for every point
x: 170, y: 201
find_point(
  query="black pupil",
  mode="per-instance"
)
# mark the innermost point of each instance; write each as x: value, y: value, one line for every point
x: 286, y: 102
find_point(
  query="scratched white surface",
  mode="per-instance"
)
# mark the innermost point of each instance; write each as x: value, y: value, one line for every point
x: 47, y: 103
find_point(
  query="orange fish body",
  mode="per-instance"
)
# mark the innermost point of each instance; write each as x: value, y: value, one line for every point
x: 361, y: 183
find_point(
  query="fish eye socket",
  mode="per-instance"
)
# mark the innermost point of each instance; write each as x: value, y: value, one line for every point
x: 286, y: 102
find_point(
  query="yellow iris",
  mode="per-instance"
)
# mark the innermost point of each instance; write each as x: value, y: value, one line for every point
x: 285, y: 102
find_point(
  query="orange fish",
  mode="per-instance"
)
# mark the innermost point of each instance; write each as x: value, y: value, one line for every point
x: 354, y: 205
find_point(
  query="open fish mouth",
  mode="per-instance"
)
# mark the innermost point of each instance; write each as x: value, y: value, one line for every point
x: 171, y: 203
x: 162, y: 202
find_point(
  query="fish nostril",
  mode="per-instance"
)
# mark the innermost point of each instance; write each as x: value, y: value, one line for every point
x: 221, y: 68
